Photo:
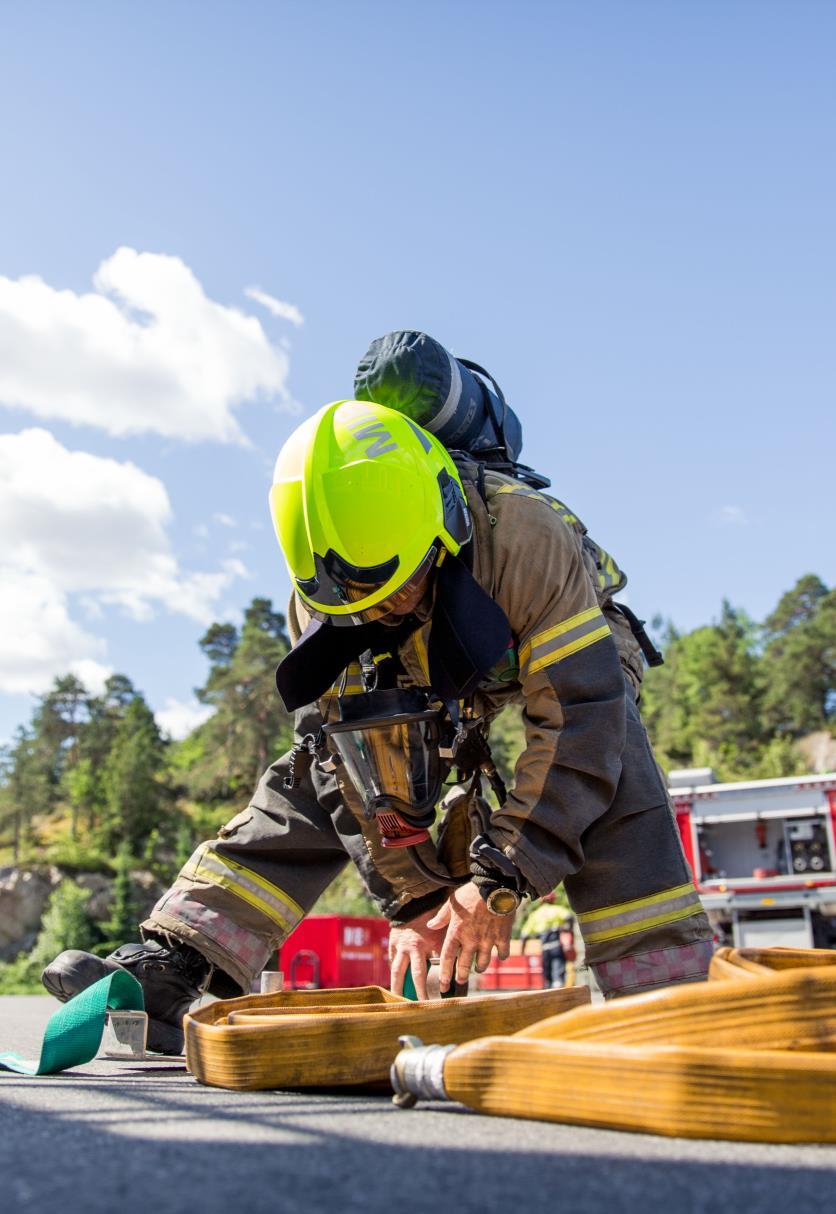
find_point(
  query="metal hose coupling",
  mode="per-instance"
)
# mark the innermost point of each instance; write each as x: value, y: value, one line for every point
x: 418, y: 1072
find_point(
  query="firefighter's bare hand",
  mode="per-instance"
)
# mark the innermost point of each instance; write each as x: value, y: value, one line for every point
x: 410, y: 948
x: 470, y: 931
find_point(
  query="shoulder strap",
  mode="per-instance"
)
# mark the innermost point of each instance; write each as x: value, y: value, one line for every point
x: 498, y: 422
x: 497, y: 457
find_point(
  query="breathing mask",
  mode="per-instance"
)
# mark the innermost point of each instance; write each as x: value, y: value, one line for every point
x: 392, y: 744
x: 397, y: 745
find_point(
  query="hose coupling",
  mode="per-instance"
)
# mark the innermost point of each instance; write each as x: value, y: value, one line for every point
x: 418, y: 1072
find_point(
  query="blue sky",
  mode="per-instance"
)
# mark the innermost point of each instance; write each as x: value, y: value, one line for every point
x: 624, y: 210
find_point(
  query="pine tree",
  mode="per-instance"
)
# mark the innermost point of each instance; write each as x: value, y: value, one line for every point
x: 86, y: 781
x: 28, y: 789
x: 249, y: 727
x: 120, y: 925
x: 703, y: 706
x: 799, y: 662
x: 136, y: 797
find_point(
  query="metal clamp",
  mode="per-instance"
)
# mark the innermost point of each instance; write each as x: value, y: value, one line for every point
x: 125, y: 1035
x: 418, y: 1072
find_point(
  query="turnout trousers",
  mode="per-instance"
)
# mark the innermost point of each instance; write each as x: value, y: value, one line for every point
x: 241, y: 894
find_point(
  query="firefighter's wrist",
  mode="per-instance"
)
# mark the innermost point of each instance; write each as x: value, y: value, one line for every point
x: 499, y: 894
x: 404, y: 915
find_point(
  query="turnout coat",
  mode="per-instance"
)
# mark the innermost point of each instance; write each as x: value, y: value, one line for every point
x: 588, y: 804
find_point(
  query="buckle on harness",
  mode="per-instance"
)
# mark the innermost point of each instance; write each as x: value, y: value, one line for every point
x: 125, y: 1036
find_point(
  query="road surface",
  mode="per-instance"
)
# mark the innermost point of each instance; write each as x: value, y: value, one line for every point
x: 146, y: 1138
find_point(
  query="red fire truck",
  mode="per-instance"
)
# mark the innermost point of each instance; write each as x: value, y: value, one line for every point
x: 336, y: 950
x: 763, y: 854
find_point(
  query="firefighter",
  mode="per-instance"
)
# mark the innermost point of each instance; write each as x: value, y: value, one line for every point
x: 553, y: 925
x: 409, y: 573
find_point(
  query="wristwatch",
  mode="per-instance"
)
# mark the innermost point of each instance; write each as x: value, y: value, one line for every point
x: 502, y: 901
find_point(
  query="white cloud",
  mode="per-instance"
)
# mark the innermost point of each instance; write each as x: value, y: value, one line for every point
x: 37, y: 637
x: 179, y: 718
x: 77, y: 526
x: 92, y: 674
x: 145, y: 351
x: 731, y: 516
x: 225, y: 520
x: 277, y: 307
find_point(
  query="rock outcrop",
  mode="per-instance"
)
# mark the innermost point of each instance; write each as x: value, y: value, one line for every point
x: 24, y: 893
x: 819, y: 750
x: 26, y: 890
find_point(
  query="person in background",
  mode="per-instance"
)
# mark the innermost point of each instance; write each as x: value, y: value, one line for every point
x: 553, y: 925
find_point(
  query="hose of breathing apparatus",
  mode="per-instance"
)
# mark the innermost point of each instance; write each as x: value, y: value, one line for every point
x: 471, y: 757
x: 401, y: 822
x: 467, y: 751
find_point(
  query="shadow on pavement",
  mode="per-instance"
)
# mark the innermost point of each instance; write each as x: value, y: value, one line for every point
x: 153, y: 1146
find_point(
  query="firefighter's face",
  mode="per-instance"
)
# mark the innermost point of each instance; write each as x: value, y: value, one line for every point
x: 407, y: 603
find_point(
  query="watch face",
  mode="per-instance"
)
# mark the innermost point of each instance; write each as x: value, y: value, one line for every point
x: 503, y: 902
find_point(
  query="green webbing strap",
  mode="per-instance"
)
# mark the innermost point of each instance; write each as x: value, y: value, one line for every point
x: 456, y: 990
x: 74, y: 1032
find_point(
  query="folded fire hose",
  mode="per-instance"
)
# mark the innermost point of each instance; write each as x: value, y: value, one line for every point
x: 332, y: 1038
x: 749, y: 1055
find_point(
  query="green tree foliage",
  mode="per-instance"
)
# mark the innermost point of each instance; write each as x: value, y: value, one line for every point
x: 249, y: 729
x: 57, y: 723
x: 703, y: 706
x: 28, y: 787
x: 86, y: 780
x: 346, y: 896
x: 136, y: 798
x: 735, y: 696
x: 799, y: 661
x: 66, y: 924
x: 120, y: 926
x: 90, y: 774
x: 507, y: 742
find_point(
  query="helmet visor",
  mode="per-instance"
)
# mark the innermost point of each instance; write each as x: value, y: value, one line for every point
x: 343, y: 584
x: 336, y: 582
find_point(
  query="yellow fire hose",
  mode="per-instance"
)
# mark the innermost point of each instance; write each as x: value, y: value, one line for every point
x: 342, y: 1037
x: 748, y: 1055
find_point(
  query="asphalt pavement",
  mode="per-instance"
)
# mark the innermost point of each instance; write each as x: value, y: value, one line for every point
x: 145, y: 1137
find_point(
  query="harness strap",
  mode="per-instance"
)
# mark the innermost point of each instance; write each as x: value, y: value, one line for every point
x: 74, y: 1032
x: 651, y: 654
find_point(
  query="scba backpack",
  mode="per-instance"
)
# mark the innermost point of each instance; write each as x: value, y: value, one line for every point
x: 461, y: 403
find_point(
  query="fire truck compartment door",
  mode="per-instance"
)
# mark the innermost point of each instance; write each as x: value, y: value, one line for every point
x: 791, y: 932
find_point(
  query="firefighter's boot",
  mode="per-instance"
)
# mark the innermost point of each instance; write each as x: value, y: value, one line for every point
x: 172, y: 978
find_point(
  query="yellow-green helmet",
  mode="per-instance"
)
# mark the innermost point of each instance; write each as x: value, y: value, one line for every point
x: 363, y: 501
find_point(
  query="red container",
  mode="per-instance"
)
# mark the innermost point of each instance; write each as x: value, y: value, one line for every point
x: 514, y: 974
x: 327, y: 951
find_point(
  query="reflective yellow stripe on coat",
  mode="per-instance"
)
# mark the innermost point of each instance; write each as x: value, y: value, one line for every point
x: 640, y: 915
x: 206, y: 865
x: 562, y: 640
x: 608, y: 574
x: 558, y: 506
